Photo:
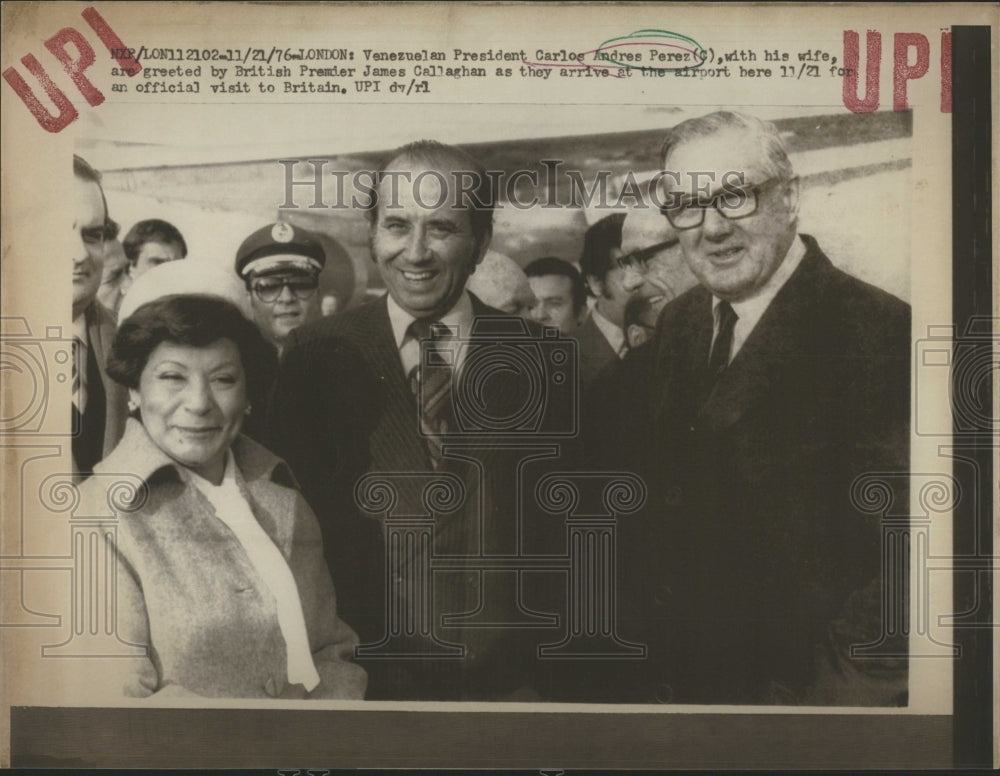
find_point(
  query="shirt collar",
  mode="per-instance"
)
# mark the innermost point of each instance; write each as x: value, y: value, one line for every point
x: 752, y: 308
x: 228, y: 477
x: 138, y: 455
x: 458, y: 318
x: 80, y: 327
x: 613, y: 334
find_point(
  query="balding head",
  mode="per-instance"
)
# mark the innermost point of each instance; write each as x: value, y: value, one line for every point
x: 501, y: 283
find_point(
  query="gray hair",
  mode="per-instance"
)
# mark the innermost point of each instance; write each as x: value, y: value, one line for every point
x: 766, y: 134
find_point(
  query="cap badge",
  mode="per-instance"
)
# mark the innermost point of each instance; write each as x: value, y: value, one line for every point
x: 282, y: 232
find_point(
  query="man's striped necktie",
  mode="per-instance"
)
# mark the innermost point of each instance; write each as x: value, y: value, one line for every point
x: 431, y: 383
x: 79, y: 375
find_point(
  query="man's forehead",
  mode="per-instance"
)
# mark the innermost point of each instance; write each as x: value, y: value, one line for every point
x: 431, y: 192
x: 89, y: 200
x: 159, y: 246
x: 644, y: 227
x: 553, y: 279
x: 737, y: 151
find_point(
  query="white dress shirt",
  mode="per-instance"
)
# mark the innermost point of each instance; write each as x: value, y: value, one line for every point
x: 458, y: 319
x: 231, y: 508
x: 613, y: 334
x: 750, y: 310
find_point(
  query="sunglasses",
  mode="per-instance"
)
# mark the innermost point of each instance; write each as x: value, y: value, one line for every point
x: 269, y: 289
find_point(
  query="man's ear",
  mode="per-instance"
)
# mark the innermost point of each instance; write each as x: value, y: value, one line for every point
x: 792, y: 196
x: 596, y: 285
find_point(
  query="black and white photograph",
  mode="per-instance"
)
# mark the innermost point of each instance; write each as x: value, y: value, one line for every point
x: 582, y: 391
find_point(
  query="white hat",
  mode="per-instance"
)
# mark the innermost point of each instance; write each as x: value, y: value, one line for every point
x: 187, y: 276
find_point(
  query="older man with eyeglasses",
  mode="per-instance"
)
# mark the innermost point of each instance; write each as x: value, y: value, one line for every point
x: 280, y: 264
x: 779, y: 381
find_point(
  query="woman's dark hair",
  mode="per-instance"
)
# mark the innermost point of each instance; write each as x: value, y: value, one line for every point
x: 195, y: 321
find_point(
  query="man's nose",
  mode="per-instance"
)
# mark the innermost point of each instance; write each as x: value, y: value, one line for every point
x: 716, y: 226
x: 80, y: 250
x: 633, y: 279
x: 286, y: 296
x: 416, y: 246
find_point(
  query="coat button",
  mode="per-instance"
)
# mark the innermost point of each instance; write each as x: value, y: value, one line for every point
x: 664, y: 693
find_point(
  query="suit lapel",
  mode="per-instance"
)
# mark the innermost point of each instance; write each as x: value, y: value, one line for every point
x: 771, y: 349
x: 101, y: 332
x: 396, y: 443
x: 593, y: 344
x: 686, y: 350
x: 471, y: 473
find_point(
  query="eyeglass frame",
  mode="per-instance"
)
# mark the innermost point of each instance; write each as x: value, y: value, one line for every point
x: 755, y: 189
x: 282, y: 283
x: 641, y: 256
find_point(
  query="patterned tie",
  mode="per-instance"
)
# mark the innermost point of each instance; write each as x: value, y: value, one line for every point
x: 430, y: 382
x: 79, y: 375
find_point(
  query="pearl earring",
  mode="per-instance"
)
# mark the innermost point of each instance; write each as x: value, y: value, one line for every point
x: 132, y: 406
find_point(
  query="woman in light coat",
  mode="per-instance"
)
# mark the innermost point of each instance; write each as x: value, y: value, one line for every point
x: 220, y: 572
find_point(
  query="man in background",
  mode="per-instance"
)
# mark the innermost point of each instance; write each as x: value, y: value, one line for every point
x: 150, y: 243
x: 602, y: 335
x: 280, y: 264
x: 560, y: 293
x: 99, y: 403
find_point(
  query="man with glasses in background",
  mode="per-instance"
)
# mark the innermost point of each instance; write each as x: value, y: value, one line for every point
x: 99, y: 403
x: 780, y: 380
x: 280, y: 264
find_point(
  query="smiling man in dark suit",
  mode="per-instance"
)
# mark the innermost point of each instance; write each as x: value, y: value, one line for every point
x: 779, y: 380
x: 354, y: 397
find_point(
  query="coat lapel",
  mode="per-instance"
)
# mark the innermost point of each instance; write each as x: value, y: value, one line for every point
x: 686, y: 349
x: 396, y: 444
x: 771, y: 349
x: 101, y: 330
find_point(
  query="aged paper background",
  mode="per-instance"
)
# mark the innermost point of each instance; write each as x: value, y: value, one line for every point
x: 895, y: 227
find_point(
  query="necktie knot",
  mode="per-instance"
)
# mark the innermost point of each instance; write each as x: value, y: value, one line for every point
x: 428, y: 328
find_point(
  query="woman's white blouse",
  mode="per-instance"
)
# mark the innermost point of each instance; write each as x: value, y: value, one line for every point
x: 232, y: 509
